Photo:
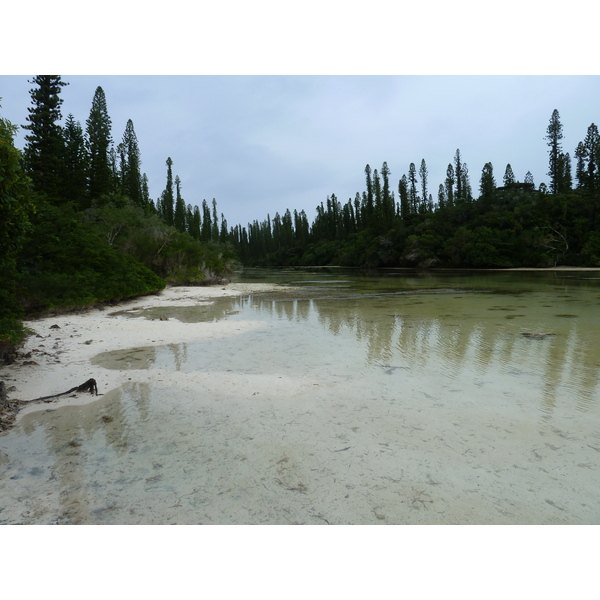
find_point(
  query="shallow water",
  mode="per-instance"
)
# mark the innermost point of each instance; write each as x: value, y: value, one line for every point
x: 396, y: 398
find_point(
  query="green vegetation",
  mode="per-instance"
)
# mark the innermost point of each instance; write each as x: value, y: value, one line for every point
x: 514, y: 225
x: 77, y: 225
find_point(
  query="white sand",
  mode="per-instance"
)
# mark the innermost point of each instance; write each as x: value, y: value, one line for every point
x: 63, y: 355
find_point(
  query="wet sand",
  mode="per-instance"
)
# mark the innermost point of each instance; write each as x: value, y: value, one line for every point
x: 62, y: 346
x: 274, y: 447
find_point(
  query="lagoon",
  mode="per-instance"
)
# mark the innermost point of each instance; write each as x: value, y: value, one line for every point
x: 386, y: 398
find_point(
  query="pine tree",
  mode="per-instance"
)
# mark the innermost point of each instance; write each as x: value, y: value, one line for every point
x: 224, y: 235
x: 376, y: 218
x: 591, y: 145
x: 145, y: 192
x: 466, y: 183
x: 131, y: 177
x: 441, y: 196
x: 189, y: 219
x: 529, y: 179
x: 567, y: 173
x: 101, y: 166
x: 179, y: 214
x: 413, y: 196
x: 369, y: 207
x: 206, y: 223
x: 580, y: 171
x: 449, y: 183
x: 553, y: 136
x: 565, y: 181
x: 423, y: 173
x: 44, y: 153
x: 509, y: 176
x: 214, y: 231
x: 76, y: 163
x: 387, y: 198
x: 458, y: 174
x: 195, y: 231
x: 167, y: 198
x: 487, y: 184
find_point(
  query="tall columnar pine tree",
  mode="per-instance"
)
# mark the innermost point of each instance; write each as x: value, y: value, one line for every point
x: 357, y: 211
x: 588, y: 156
x: 387, y: 197
x: 224, y: 234
x: 487, y: 184
x: 441, y: 196
x: 131, y: 176
x: 509, y: 176
x: 413, y: 196
x: 114, y: 160
x: 564, y: 181
x: 458, y: 174
x: 214, y: 231
x: 179, y: 214
x: 76, y: 163
x: 196, y: 224
x: 146, y: 202
x: 167, y: 200
x: 529, y: 179
x: 449, y: 183
x: 466, y: 183
x: 101, y: 165
x: 206, y: 222
x: 580, y: 170
x: 553, y: 137
x: 377, y: 191
x: 423, y: 174
x: 45, y: 148
x: 369, y: 207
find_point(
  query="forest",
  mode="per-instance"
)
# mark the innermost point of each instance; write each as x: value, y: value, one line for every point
x: 502, y: 224
x: 78, y: 225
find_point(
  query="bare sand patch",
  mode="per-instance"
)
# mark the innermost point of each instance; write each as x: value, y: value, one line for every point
x: 61, y: 346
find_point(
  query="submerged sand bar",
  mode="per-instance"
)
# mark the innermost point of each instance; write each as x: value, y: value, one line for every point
x: 229, y: 422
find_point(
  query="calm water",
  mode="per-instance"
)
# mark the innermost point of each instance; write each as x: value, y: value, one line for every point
x: 390, y: 398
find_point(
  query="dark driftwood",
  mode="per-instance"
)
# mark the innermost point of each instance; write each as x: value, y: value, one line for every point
x: 89, y: 386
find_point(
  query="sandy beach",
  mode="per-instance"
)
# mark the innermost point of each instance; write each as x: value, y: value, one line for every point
x: 61, y: 346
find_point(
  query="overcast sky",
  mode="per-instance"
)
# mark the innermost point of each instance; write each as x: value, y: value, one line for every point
x: 261, y: 144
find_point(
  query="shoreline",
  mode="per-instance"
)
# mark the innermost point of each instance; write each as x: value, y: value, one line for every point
x: 239, y: 427
x: 57, y: 355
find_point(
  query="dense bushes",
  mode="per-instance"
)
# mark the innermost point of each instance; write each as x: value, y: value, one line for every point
x: 66, y: 262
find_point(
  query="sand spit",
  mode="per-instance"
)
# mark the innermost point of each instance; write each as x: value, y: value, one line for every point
x: 61, y: 346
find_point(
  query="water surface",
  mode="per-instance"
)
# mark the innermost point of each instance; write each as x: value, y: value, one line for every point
x: 390, y: 398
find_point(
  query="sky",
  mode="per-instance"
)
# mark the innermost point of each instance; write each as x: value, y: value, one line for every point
x: 261, y: 144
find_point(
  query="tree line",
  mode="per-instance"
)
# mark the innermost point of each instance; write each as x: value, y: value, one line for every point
x: 77, y: 223
x: 508, y: 225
